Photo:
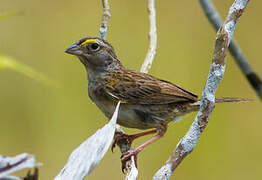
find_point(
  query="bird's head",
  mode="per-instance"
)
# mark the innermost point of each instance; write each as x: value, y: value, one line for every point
x: 95, y: 53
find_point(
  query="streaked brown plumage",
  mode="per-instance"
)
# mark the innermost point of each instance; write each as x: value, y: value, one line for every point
x: 139, y: 88
x: 146, y: 101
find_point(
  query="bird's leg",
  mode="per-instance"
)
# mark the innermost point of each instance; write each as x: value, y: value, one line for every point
x: 119, y: 136
x: 126, y: 156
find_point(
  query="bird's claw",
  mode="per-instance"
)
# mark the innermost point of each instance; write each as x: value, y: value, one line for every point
x: 119, y: 136
x: 127, y: 157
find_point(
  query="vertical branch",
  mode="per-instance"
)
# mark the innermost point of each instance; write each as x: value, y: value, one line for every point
x: 216, y: 72
x: 132, y: 171
x: 152, y: 38
x: 247, y: 70
x: 105, y: 19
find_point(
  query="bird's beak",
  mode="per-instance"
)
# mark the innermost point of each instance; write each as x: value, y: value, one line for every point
x: 75, y: 50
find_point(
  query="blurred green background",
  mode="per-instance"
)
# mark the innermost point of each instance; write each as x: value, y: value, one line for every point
x: 51, y: 122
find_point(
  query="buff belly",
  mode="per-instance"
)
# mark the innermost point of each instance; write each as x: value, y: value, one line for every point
x: 138, y: 116
x: 128, y: 116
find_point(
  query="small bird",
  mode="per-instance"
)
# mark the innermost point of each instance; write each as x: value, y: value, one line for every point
x: 146, y: 101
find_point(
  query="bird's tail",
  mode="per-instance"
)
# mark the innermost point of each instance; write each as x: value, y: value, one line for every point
x: 229, y: 99
x: 195, y: 106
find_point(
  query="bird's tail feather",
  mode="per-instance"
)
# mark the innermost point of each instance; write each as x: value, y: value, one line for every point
x: 229, y: 99
x: 195, y: 106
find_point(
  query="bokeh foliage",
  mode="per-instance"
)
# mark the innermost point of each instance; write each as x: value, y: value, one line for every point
x: 9, y: 63
x: 4, y: 16
x: 51, y: 122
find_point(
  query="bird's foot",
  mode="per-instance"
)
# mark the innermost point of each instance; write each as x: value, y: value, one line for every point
x: 127, y: 157
x: 120, y: 137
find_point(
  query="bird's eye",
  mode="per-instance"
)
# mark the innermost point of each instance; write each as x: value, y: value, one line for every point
x: 94, y: 46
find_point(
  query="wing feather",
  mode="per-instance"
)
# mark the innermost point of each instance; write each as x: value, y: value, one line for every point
x: 139, y: 88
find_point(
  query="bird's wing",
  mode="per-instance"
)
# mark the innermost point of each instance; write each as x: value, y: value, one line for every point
x: 139, y: 88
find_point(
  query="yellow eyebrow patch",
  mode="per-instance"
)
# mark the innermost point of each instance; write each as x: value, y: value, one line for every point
x: 88, y: 41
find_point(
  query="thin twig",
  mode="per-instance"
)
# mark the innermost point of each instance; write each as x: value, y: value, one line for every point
x: 132, y: 172
x: 124, y: 146
x: 105, y: 19
x: 252, y: 77
x: 152, y: 38
x: 216, y: 72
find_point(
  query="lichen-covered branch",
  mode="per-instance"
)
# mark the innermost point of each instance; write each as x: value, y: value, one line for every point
x: 152, y: 38
x: 241, y: 60
x: 105, y: 19
x: 10, y: 165
x: 216, y: 72
x: 87, y: 156
x: 133, y: 172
